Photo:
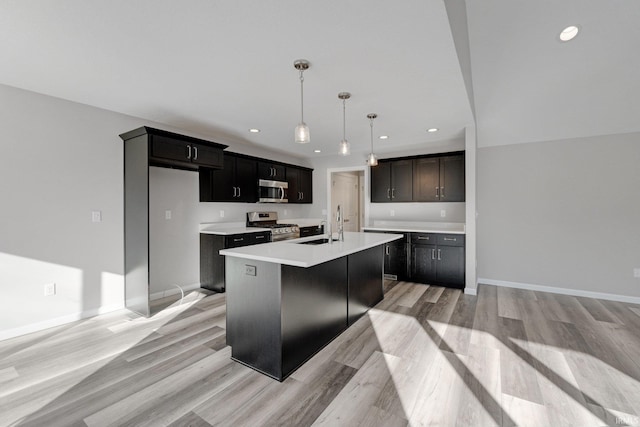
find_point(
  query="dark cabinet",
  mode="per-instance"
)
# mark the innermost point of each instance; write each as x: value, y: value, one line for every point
x: 438, y: 259
x: 312, y: 230
x: 236, y: 182
x: 271, y: 171
x: 433, y: 178
x: 392, y: 181
x: 183, y: 154
x: 439, y: 179
x: 212, y: 264
x: 300, y: 184
x: 395, y: 258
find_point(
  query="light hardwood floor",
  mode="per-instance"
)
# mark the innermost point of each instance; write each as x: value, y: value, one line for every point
x: 424, y: 356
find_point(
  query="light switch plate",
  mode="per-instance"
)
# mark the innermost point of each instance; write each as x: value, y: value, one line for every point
x: 250, y: 270
x: 49, y: 289
x: 221, y: 214
x: 167, y: 214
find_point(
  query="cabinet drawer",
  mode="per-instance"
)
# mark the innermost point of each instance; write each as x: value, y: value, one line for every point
x: 246, y: 239
x: 312, y: 230
x: 423, y: 238
x: 450, y: 240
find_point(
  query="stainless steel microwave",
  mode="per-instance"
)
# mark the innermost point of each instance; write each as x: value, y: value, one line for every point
x: 272, y: 191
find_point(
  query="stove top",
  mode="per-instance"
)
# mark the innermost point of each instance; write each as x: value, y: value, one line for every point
x: 270, y: 220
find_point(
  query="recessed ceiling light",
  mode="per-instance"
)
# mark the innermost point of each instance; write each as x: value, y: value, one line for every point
x: 317, y: 151
x: 569, y: 33
x: 383, y: 137
x: 254, y: 130
x: 431, y: 130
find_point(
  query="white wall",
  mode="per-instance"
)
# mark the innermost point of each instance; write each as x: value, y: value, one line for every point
x: 59, y: 162
x: 563, y: 214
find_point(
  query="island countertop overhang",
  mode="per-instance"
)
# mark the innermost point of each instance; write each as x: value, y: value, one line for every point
x: 292, y: 252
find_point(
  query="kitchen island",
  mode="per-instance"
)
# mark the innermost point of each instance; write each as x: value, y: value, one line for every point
x: 286, y: 300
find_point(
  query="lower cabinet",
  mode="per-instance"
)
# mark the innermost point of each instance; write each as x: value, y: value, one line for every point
x: 212, y: 263
x: 312, y: 230
x: 438, y: 259
x: 429, y: 258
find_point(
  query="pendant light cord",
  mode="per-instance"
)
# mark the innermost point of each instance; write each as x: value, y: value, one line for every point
x: 344, y: 119
x: 301, y: 97
x: 371, y: 124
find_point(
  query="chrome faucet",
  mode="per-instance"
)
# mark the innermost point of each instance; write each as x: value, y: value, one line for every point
x: 340, y: 222
x: 328, y: 229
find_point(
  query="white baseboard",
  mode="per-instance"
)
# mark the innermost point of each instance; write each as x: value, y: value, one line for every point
x: 563, y: 291
x: 471, y: 291
x: 46, y: 324
x: 173, y: 291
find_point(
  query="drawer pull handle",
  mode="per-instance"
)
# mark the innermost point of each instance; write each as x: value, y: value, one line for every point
x: 238, y: 240
x: 448, y: 239
x: 259, y: 237
x: 424, y: 238
x: 189, y: 152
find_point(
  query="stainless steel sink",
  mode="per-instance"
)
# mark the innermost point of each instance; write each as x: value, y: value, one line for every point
x: 314, y: 242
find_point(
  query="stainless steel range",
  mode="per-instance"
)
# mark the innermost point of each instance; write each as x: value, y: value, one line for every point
x: 270, y: 220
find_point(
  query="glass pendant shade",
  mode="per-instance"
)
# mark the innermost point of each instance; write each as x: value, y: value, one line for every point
x: 302, y: 133
x: 345, y: 147
x: 372, y: 160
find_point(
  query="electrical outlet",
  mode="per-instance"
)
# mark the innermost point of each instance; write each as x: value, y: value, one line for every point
x: 167, y: 214
x: 443, y: 213
x: 636, y: 273
x: 324, y: 212
x: 96, y: 216
x: 49, y: 289
x: 250, y: 270
x: 221, y: 214
x: 392, y: 213
x: 285, y: 212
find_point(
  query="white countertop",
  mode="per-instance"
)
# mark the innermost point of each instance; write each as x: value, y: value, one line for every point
x: 289, y: 252
x: 418, y: 227
x: 302, y: 222
x: 228, y: 228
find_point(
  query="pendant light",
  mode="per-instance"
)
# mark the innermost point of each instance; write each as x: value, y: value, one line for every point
x: 302, y: 130
x: 371, y: 158
x: 345, y: 147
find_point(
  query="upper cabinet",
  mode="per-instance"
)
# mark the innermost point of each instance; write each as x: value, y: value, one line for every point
x: 433, y: 178
x: 236, y: 182
x: 300, y: 184
x: 168, y: 149
x: 271, y: 171
x: 391, y: 181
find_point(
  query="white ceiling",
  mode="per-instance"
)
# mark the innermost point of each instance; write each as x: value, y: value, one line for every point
x: 222, y: 67
x: 529, y: 86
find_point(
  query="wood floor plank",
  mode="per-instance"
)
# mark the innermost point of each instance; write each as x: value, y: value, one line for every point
x: 358, y: 395
x: 426, y: 355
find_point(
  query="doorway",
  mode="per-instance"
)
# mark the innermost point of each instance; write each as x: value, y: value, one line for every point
x: 347, y: 189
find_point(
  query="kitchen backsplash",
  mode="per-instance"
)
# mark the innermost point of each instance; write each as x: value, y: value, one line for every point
x: 420, y: 212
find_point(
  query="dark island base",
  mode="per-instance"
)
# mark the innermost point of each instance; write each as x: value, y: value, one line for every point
x: 279, y: 316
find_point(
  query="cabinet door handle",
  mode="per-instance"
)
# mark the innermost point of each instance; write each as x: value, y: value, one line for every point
x: 195, y: 153
x: 448, y: 239
x: 188, y: 152
x: 393, y: 190
x: 424, y: 238
x: 442, y: 192
x: 234, y: 191
x: 439, y: 254
x: 433, y: 254
x: 239, y: 240
x: 388, y: 193
x: 238, y: 191
x: 386, y: 250
x: 281, y: 193
x: 437, y: 192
